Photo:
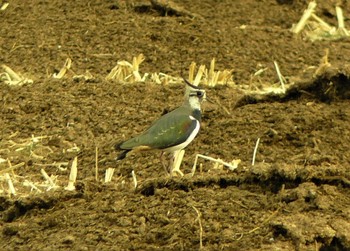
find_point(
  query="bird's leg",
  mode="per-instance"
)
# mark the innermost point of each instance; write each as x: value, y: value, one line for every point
x: 171, y: 163
x: 162, y: 160
x: 176, y: 163
x: 167, y: 161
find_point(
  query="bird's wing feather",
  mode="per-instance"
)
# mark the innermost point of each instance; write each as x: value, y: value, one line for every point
x: 170, y: 130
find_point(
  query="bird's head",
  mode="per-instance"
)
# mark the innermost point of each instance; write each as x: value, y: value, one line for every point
x: 194, y: 92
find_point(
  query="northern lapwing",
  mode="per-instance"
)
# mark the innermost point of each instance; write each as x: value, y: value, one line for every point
x: 172, y: 132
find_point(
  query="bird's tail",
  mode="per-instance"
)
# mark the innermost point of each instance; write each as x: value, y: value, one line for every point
x: 123, y: 154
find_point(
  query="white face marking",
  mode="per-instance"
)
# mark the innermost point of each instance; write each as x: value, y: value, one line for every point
x: 194, y: 103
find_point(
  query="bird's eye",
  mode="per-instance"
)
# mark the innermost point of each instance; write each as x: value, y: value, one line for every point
x: 200, y: 94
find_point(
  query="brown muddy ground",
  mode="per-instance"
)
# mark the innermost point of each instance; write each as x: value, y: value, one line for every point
x: 296, y: 196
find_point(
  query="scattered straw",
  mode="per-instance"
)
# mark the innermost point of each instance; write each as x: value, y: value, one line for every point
x: 260, y: 71
x: 4, y: 6
x: 161, y: 78
x: 307, y: 14
x: 10, y: 77
x: 11, y: 168
x: 86, y: 77
x: 318, y: 29
x: 280, y: 77
x: 58, y: 165
x: 134, y: 178
x: 255, y: 151
x: 200, y: 227
x: 217, y: 77
x: 72, y: 175
x: 73, y: 149
x: 195, y: 79
x: 126, y: 72
x: 48, y: 179
x: 323, y: 24
x: 209, y: 77
x: 136, y: 61
x: 10, y: 184
x: 109, y: 174
x: 324, y: 64
x: 67, y: 65
x: 341, y: 26
x: 33, y: 147
x: 31, y: 185
x: 13, y: 75
x: 232, y: 166
x: 96, y: 163
x: 258, y: 227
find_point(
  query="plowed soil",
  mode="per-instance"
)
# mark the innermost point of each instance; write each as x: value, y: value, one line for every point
x: 295, y: 196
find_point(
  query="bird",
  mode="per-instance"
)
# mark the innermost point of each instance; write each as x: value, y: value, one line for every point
x: 172, y: 132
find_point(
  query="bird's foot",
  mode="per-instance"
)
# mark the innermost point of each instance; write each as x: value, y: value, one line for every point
x: 176, y: 172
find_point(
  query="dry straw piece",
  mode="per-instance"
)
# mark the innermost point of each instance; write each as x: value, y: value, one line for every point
x: 307, y: 14
x: 279, y: 88
x: 200, y: 227
x: 134, y: 178
x: 255, y: 151
x: 214, y: 78
x: 280, y: 77
x: 4, y: 6
x: 49, y: 180
x: 10, y: 184
x: 72, y: 175
x: 209, y: 77
x: 32, y: 146
x: 231, y: 165
x: 109, y: 174
x: 96, y: 163
x: 10, y: 77
x: 67, y: 65
x: 317, y: 29
x: 191, y: 73
x: 31, y: 185
x: 11, y: 168
x: 126, y: 72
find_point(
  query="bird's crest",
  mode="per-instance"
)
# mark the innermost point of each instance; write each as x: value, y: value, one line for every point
x: 192, y: 90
